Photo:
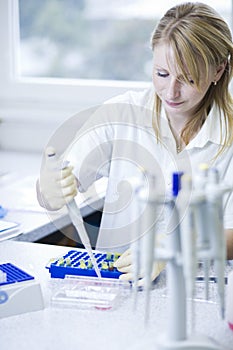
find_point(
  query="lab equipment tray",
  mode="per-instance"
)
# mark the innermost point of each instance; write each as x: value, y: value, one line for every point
x: 14, y: 274
x: 79, y: 263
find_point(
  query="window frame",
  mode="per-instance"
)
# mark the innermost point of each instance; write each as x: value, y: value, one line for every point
x: 17, y: 93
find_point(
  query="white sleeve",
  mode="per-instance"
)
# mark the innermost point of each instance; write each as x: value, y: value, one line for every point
x: 90, y: 155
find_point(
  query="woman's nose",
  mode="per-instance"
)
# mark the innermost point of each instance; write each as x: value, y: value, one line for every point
x: 173, y: 90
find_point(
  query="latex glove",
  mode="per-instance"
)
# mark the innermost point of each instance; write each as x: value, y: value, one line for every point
x: 56, y: 186
x: 125, y: 265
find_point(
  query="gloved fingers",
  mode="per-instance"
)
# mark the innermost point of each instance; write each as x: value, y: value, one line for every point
x: 125, y: 260
x: 69, y: 191
x: 57, y: 198
x: 158, y: 267
x: 67, y: 172
x: 68, y: 181
x: 125, y: 269
x: 57, y: 184
x: 58, y: 193
x: 59, y: 174
x: 141, y: 282
x: 126, y: 253
x: 128, y: 276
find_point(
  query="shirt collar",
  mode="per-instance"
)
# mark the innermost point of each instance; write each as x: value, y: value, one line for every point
x: 211, y: 131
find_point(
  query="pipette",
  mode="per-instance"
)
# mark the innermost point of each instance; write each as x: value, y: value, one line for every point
x: 135, y: 249
x: 176, y: 331
x: 188, y: 240
x: 215, y: 193
x: 202, y: 221
x: 75, y: 215
x: 147, y: 201
x: 137, y: 184
x: 147, y: 258
x: 176, y: 258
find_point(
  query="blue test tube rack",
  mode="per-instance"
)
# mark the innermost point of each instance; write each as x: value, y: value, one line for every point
x: 78, y: 263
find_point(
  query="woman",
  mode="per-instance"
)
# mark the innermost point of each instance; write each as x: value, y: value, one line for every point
x: 184, y: 120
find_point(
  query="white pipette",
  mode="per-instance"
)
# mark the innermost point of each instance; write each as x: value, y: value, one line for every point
x: 76, y: 218
x: 147, y: 258
x: 135, y: 248
x: 188, y: 240
x: 136, y: 184
x: 147, y: 198
x: 202, y: 221
x: 215, y: 192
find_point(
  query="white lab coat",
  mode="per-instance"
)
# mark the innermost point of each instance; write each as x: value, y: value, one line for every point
x: 117, y: 141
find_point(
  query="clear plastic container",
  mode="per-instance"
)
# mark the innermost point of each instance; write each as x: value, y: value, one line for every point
x: 89, y: 292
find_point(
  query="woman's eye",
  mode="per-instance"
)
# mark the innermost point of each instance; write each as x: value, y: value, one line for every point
x: 191, y: 81
x: 162, y: 74
x: 182, y: 80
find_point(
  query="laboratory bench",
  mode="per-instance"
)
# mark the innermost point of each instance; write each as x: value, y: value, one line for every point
x: 18, y: 175
x: 122, y: 327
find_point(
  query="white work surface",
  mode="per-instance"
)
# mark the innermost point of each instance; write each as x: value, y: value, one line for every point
x: 121, y: 328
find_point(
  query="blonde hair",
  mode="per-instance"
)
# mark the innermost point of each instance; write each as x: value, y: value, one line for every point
x: 195, y: 31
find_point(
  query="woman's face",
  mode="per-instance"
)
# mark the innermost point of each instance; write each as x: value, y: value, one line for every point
x: 178, y: 97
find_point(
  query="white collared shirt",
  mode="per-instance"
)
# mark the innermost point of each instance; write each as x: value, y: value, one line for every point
x: 118, y: 141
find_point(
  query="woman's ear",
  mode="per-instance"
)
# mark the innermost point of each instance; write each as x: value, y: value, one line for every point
x: 220, y: 70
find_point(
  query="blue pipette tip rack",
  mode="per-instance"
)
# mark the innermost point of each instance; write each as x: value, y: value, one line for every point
x: 19, y: 291
x: 78, y: 263
x: 14, y: 274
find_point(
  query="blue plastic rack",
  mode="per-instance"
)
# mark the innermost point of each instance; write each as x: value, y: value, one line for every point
x: 78, y: 263
x: 14, y: 274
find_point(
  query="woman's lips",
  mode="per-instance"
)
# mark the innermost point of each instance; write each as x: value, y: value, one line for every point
x: 173, y: 104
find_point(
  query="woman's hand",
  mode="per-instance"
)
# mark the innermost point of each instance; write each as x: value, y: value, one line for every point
x: 56, y: 186
x: 125, y: 265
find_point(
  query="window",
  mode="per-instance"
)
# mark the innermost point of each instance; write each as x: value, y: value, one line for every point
x: 103, y: 45
x: 86, y: 39
x: 89, y: 39
x: 61, y: 56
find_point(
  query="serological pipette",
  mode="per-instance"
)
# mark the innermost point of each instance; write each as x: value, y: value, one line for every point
x: 75, y: 215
